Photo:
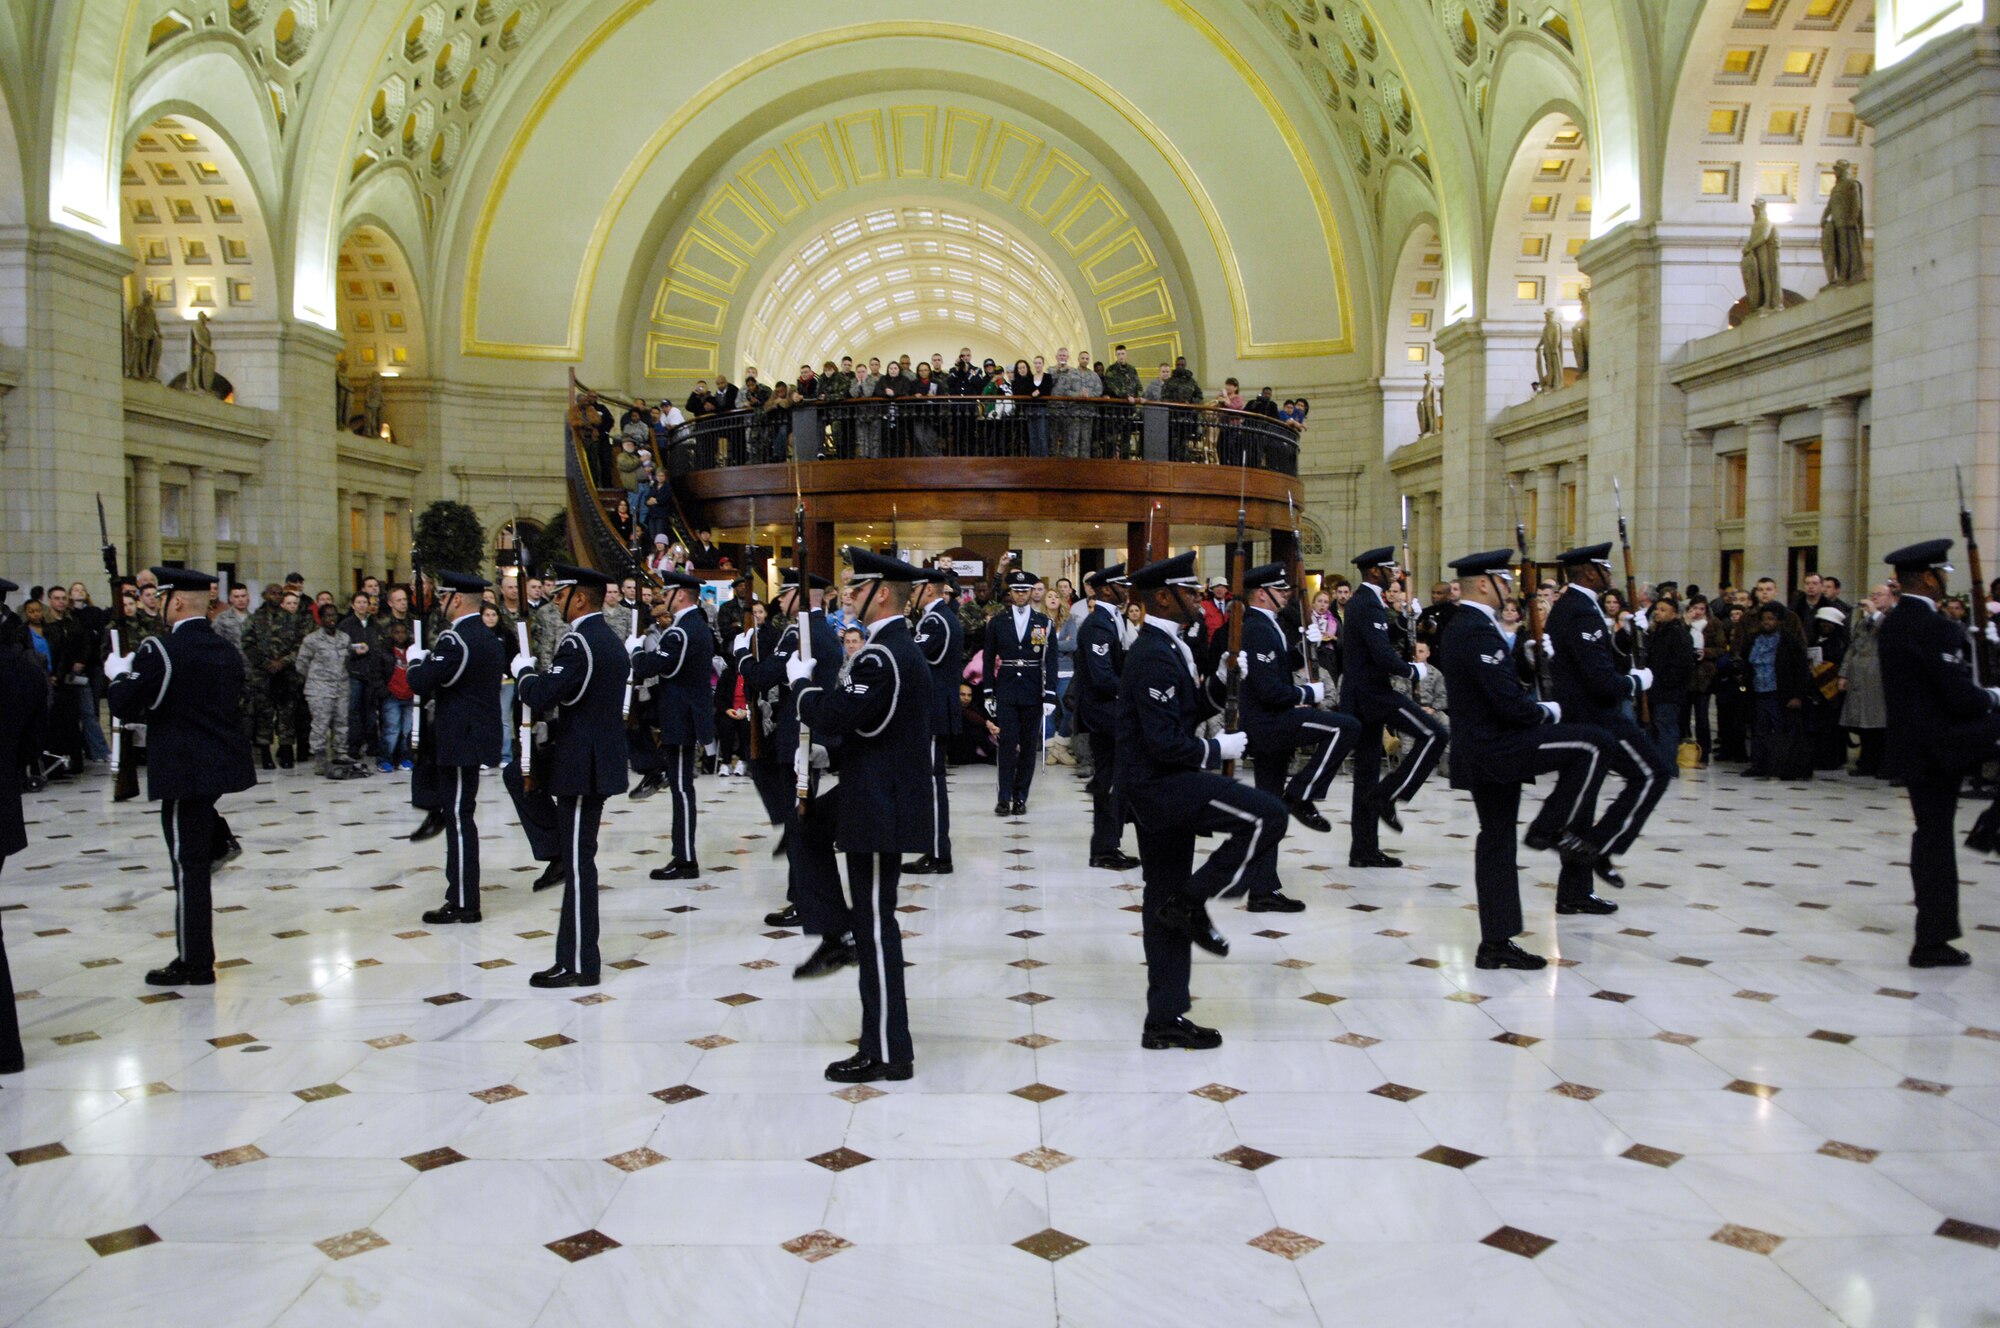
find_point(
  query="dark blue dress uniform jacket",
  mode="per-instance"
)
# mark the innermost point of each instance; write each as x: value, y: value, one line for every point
x: 1268, y: 689
x: 776, y: 646
x: 1368, y: 658
x: 685, y: 694
x: 585, y: 690
x: 1015, y: 685
x: 882, y: 714
x: 24, y: 699
x: 1160, y: 705
x: 462, y: 676
x: 1100, y: 659
x: 184, y: 686
x: 1493, y: 714
x: 941, y: 640
x: 1930, y: 692
x: 1585, y: 674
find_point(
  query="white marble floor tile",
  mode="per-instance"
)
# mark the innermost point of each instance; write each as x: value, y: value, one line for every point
x: 505, y: 1286
x: 965, y: 1203
x: 1449, y: 1285
x: 1210, y: 1282
x: 709, y: 1286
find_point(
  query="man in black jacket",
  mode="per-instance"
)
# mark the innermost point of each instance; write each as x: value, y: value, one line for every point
x: 685, y: 699
x: 1670, y: 654
x: 940, y: 639
x: 460, y: 676
x: 366, y: 646
x: 1100, y: 660
x: 1941, y: 724
x: 1370, y: 661
x: 24, y: 699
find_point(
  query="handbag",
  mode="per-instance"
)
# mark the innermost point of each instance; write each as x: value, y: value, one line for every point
x: 1688, y: 756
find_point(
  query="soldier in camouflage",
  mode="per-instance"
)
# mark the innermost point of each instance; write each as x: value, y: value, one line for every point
x: 321, y: 661
x: 835, y: 387
x: 271, y: 638
x: 1076, y: 421
x: 1121, y: 381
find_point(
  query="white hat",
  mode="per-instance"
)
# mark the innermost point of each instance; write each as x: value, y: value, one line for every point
x: 1830, y: 614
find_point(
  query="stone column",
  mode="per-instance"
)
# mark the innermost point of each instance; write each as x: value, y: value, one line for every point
x: 375, y: 543
x: 1838, y: 555
x: 1434, y: 539
x: 1548, y: 505
x: 1490, y: 364
x: 343, y: 526
x: 201, y: 518
x: 1763, y: 510
x: 145, y: 548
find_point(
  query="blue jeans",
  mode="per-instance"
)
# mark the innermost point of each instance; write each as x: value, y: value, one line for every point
x: 1058, y: 723
x: 1666, y: 731
x: 506, y: 728
x: 94, y: 745
x: 396, y: 718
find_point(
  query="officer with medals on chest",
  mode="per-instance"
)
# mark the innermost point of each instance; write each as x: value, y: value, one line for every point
x: 1942, y: 725
x: 684, y: 694
x: 1369, y: 663
x: 881, y: 809
x: 1171, y: 782
x: 1100, y: 660
x: 184, y: 686
x: 1590, y: 681
x: 941, y: 640
x: 459, y: 677
x: 1503, y: 735
x: 1281, y: 716
x: 24, y: 704
x: 1020, y: 668
x: 583, y: 762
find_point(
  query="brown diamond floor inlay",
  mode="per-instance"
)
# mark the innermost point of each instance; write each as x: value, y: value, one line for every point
x: 434, y: 1158
x: 233, y: 1040
x: 234, y: 1157
x: 1748, y: 1089
x: 1037, y: 1092
x: 1678, y: 1039
x: 816, y: 1245
x: 1322, y: 998
x: 1031, y: 997
x: 858, y: 1093
x: 1747, y: 1238
x: 1216, y: 1092
x: 840, y: 1159
x: 392, y: 1040
x: 1849, y: 1152
x: 1516, y: 1039
x: 117, y: 1242
x: 137, y: 1091
x: 1397, y: 1092
x: 1925, y: 1086
x: 1445, y: 1155
x: 1284, y: 1243
x: 712, y: 1042
x: 1617, y: 996
x: 1823, y: 1035
x: 638, y: 1159
x: 1051, y: 1244
x: 1361, y: 1040
x: 1044, y: 1158
x: 320, y: 1093
x: 678, y: 1094
x: 22, y: 1157
x: 1971, y: 1232
x: 1034, y: 1041
x: 1651, y: 1156
x: 1516, y: 1241
x: 581, y: 1246
x: 499, y: 1093
x: 448, y: 998
x: 1581, y: 1092
x: 551, y: 1042
x: 1248, y: 1158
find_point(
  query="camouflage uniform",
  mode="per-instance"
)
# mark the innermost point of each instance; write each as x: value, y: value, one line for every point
x: 1182, y: 425
x: 271, y: 636
x: 545, y: 629
x: 1078, y: 421
x: 836, y: 387
x: 1122, y: 381
x: 322, y: 665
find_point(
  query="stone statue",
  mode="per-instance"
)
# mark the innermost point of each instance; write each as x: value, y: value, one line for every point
x: 1427, y: 423
x: 343, y: 393
x: 371, y: 407
x: 1549, y: 354
x: 1763, y: 289
x: 143, y: 342
x: 201, y: 356
x: 1840, y: 228
x: 1579, y: 335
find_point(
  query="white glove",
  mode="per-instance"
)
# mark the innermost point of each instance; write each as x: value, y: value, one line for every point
x: 1048, y: 708
x: 820, y: 759
x: 709, y: 749
x: 1993, y: 694
x: 1553, y: 709
x: 797, y: 670
x: 523, y: 663
x: 1644, y: 677
x: 1423, y: 671
x: 1318, y: 689
x: 116, y: 667
x: 1993, y: 632
x: 717, y: 663
x: 1547, y: 647
x: 414, y: 656
x: 1313, y: 633
x: 633, y: 645
x: 740, y: 644
x: 1238, y: 663
x: 1231, y: 746
x: 992, y: 708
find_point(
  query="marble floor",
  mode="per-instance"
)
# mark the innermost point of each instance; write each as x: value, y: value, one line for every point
x: 1730, y: 1104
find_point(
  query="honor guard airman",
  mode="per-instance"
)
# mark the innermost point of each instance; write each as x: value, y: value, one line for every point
x: 1100, y: 660
x: 941, y: 641
x: 1502, y: 735
x: 1588, y: 678
x: 879, y: 811
x: 185, y: 686
x: 684, y: 700
x: 1369, y: 663
x: 1942, y: 724
x: 583, y: 762
x: 1020, y: 668
x: 1171, y: 782
x: 1281, y: 716
x: 459, y: 677
x: 24, y: 703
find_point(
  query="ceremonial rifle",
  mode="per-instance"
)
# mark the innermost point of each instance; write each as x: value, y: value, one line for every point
x: 1297, y: 575
x: 124, y: 769
x: 1232, y: 704
x: 751, y: 716
x: 419, y: 610
x: 1641, y: 703
x: 1978, y: 598
x: 1409, y: 610
x: 1531, y: 602
x: 802, y: 619
x: 524, y: 737
x: 632, y: 632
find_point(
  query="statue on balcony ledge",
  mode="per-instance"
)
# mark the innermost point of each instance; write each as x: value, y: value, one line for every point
x: 343, y: 393
x: 1840, y: 228
x: 1579, y: 336
x: 1763, y: 289
x: 1427, y: 413
x: 201, y: 356
x: 1549, y: 354
x: 371, y: 408
x: 143, y: 342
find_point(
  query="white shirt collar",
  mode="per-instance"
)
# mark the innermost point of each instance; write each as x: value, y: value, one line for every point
x: 1167, y: 625
x: 1266, y: 612
x: 1586, y: 591
x: 1021, y: 612
x: 686, y: 611
x: 874, y: 629
x: 463, y: 616
x: 1492, y: 615
x: 185, y: 621
x: 1109, y: 608
x: 1370, y: 585
x: 594, y: 613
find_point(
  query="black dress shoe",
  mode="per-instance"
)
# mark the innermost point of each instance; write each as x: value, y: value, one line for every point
x: 1189, y: 918
x: 1508, y: 955
x: 556, y: 873
x: 677, y: 871
x: 1939, y: 956
x: 14, y: 1065
x: 1587, y: 904
x: 1576, y: 851
x: 232, y: 849
x: 1182, y: 1033
x: 1116, y: 860
x: 1985, y: 833
x: 1372, y: 858
x: 264, y: 758
x: 784, y: 842
x: 647, y: 787
x: 178, y: 974
x: 1020, y: 806
x: 859, y: 1069
x: 1308, y: 816
x: 562, y: 977
x: 1602, y: 869
x: 433, y: 825
x: 450, y: 913
x: 788, y: 916
x: 832, y: 956
x: 1538, y: 841
x: 1276, y: 902
x: 1003, y: 808
x: 928, y: 866
x: 1385, y: 812
x: 285, y: 757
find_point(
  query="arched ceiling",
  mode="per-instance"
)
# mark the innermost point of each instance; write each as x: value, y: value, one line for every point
x: 194, y: 226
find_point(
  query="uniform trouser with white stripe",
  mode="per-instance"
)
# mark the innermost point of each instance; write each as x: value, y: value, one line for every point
x: 878, y: 947
x: 1423, y: 739
x: 10, y: 1021
x: 1018, y: 749
x: 189, y: 827
x: 541, y: 822
x: 1631, y: 756
x: 1107, y: 810
x: 461, y: 843
x: 1496, y: 869
x: 940, y: 803
x: 677, y: 764
x: 576, y: 934
x: 1328, y: 736
x: 813, y: 879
